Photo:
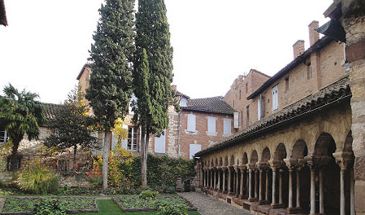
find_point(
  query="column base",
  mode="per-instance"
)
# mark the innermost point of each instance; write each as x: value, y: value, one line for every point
x: 294, y: 210
x: 263, y: 202
x: 242, y: 196
x: 252, y: 200
x: 276, y: 205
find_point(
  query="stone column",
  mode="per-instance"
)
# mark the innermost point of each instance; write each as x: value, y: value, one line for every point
x: 219, y: 178
x: 281, y: 186
x: 352, y: 193
x: 242, y: 169
x: 313, y: 191
x: 273, y: 189
x: 261, y: 199
x: 256, y: 183
x: 290, y: 197
x: 250, y: 197
x: 237, y: 192
x: 224, y: 179
x: 267, y: 185
x: 229, y: 181
x: 342, y: 191
x: 321, y: 193
x: 354, y: 24
x: 298, y: 188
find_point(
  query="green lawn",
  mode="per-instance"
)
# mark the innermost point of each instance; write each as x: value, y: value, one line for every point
x: 108, y: 207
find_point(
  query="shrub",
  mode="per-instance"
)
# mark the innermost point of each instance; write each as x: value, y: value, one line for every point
x: 169, y: 208
x: 49, y: 207
x: 148, y: 194
x: 37, y: 178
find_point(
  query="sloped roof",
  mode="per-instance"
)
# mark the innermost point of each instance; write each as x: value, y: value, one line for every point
x: 178, y: 93
x: 50, y: 110
x: 330, y: 95
x: 209, y: 105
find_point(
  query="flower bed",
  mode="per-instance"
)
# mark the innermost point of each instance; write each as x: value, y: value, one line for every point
x: 135, y: 203
x: 25, y: 205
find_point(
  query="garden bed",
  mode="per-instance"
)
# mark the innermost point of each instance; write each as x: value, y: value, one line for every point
x: 135, y: 203
x: 73, y: 205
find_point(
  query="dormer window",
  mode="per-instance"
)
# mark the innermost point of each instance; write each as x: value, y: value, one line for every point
x: 183, y: 102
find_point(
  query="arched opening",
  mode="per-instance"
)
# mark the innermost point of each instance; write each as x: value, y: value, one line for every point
x: 266, y: 173
x: 254, y: 157
x: 282, y: 176
x: 328, y: 177
x: 349, y: 174
x: 244, y: 158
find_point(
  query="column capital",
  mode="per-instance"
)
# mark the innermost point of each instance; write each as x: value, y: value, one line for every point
x: 291, y: 163
x: 344, y: 159
x: 224, y: 167
x: 274, y: 164
x: 235, y: 167
x: 262, y: 165
x: 251, y: 166
x: 242, y: 167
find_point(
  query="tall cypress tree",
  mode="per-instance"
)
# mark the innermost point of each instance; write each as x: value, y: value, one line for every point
x: 153, y: 85
x: 111, y: 78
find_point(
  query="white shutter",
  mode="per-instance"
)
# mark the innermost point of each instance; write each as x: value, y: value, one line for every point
x: 191, y: 123
x: 275, y: 100
x: 211, y: 125
x: 160, y: 143
x: 193, y: 149
x: 236, y: 117
x: 227, y: 126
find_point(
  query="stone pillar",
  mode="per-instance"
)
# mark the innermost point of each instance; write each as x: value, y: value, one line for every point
x: 224, y: 179
x: 256, y: 183
x: 250, y: 197
x: 352, y: 193
x: 290, y: 197
x: 261, y: 199
x: 273, y: 189
x: 342, y: 191
x: 281, y: 186
x: 237, y: 192
x: 313, y: 191
x: 242, y: 171
x: 267, y: 185
x: 229, y: 181
x: 219, y: 178
x: 321, y: 193
x: 354, y: 25
x: 298, y: 188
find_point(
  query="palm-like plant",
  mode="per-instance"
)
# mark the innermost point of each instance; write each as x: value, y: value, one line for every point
x: 20, y: 114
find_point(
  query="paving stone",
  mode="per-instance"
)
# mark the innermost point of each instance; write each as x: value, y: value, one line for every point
x: 209, y: 206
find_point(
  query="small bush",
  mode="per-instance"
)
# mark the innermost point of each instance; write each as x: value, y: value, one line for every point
x: 38, y: 179
x: 49, y: 207
x: 148, y: 194
x: 169, y: 208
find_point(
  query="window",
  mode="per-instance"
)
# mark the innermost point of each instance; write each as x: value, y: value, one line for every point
x: 193, y: 149
x: 160, y: 143
x: 246, y: 88
x: 275, y: 98
x: 132, y: 102
x: 236, y: 120
x: 183, y: 102
x: 247, y: 115
x: 211, y: 125
x: 227, y: 126
x: 191, y: 123
x: 309, y: 72
x: 240, y: 95
x: 3, y: 137
x: 286, y: 84
x: 132, y: 138
x: 260, y: 107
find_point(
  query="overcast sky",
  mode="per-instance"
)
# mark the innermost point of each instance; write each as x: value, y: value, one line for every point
x: 47, y: 41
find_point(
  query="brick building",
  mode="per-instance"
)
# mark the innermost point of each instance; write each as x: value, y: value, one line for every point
x: 303, y: 153
x: 199, y: 124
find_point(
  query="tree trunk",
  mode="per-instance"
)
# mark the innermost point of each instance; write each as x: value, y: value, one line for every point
x: 144, y: 153
x: 106, y: 151
x: 16, y: 142
x: 74, y: 158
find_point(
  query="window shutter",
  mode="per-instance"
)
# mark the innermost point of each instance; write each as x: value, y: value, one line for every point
x: 236, y: 119
x: 191, y: 123
x: 160, y: 143
x: 211, y: 125
x: 227, y: 126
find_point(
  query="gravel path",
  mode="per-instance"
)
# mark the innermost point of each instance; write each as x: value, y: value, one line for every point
x: 209, y: 206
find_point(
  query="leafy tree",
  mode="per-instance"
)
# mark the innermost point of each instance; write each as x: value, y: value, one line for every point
x: 153, y: 73
x: 20, y: 114
x: 71, y: 127
x: 111, y: 78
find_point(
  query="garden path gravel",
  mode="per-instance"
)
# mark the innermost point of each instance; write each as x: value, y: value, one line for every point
x: 209, y: 206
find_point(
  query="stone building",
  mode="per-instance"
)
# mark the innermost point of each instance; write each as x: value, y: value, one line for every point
x: 306, y: 152
x: 200, y: 123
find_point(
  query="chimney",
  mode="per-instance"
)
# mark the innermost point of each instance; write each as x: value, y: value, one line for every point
x: 313, y: 34
x: 298, y: 48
